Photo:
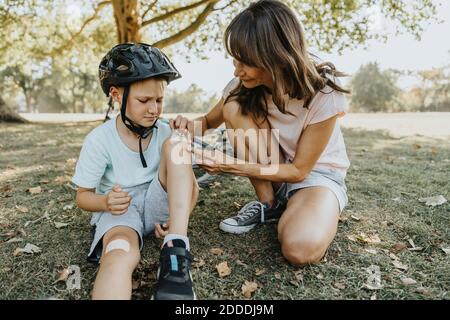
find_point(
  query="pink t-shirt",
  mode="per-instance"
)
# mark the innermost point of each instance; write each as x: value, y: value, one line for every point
x: 326, y: 104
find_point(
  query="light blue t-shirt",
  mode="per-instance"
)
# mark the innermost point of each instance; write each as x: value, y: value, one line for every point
x: 105, y: 160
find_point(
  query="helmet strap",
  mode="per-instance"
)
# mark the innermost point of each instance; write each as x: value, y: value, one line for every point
x: 143, y: 132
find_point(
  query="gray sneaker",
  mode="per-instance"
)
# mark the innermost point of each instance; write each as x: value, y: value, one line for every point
x: 252, y: 214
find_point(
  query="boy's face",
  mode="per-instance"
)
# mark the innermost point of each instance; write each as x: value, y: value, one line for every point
x: 145, y: 100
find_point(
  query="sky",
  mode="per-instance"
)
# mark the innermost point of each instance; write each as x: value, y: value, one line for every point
x: 401, y: 52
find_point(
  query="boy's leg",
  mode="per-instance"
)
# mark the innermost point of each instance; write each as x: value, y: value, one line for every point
x: 178, y: 180
x: 119, y: 259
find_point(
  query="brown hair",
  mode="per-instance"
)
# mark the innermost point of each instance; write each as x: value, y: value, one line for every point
x: 268, y: 35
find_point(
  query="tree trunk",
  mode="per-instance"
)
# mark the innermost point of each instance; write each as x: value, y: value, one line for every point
x: 128, y: 20
x: 8, y: 115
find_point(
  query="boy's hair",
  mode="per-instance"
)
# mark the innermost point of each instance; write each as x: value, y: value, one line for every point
x: 268, y: 35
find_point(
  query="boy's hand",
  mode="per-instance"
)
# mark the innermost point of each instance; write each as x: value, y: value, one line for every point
x: 161, y: 230
x: 181, y: 122
x: 117, y: 201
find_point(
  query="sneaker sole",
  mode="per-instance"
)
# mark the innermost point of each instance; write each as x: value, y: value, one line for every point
x: 235, y: 229
x: 190, y: 276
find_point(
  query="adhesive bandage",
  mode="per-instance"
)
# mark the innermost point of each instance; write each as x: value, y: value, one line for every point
x: 118, y: 244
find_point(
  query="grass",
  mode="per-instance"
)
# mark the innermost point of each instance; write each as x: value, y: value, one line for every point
x: 387, y: 177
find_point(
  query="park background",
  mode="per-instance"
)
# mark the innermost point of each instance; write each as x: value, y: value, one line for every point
x: 397, y: 55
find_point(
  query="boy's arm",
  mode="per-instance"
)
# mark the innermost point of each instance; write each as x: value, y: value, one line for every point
x: 116, y: 201
x: 88, y: 200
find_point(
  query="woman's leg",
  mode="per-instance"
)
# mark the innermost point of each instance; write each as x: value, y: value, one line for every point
x: 262, y: 151
x: 119, y: 259
x: 178, y: 179
x: 308, y: 225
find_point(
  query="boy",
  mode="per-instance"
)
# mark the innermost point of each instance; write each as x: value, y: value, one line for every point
x: 135, y: 179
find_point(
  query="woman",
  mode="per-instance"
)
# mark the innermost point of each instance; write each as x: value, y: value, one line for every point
x: 278, y: 86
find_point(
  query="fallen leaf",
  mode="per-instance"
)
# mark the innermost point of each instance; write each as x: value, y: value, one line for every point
x: 60, y: 179
x: 396, y: 199
x: 239, y: 262
x: 371, y: 251
x: 248, y: 288
x: 351, y: 238
x: 422, y: 290
x: 223, y: 269
x: 237, y: 205
x: 356, y: 218
x: 446, y: 250
x: 393, y: 256
x: 434, y: 201
x: 44, y: 181
x: 63, y: 275
x: 22, y: 209
x: 59, y: 225
x: 399, y: 265
x: 68, y: 207
x: 408, y: 281
x: 417, y: 146
x: 373, y: 297
x: 10, y: 167
x: 398, y: 247
x: 35, y: 190
x: 277, y: 275
x: 216, y: 251
x: 259, y: 272
x: 29, y: 248
x: 339, y: 285
x: 369, y: 239
x: 71, y: 161
x: 320, y: 276
x: 198, y: 262
x: 415, y: 249
x: 12, y: 240
x: 299, y: 275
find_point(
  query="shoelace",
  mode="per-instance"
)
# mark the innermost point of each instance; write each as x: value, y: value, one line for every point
x: 250, y: 209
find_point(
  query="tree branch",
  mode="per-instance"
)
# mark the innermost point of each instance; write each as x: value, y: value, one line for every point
x: 83, y: 26
x: 188, y: 30
x: 176, y: 11
x: 227, y: 5
x: 150, y: 6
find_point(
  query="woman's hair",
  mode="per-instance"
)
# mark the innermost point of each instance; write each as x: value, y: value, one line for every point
x: 268, y: 35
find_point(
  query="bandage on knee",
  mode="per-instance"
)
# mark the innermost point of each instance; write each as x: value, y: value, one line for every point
x: 118, y: 244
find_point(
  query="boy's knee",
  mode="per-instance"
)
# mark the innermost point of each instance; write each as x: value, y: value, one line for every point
x: 123, y: 244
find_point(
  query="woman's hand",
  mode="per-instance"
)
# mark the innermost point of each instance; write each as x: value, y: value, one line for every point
x: 117, y: 201
x: 161, y: 230
x: 182, y: 123
x: 214, y: 161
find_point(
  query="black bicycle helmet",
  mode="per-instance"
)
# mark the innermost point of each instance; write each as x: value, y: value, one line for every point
x: 127, y: 63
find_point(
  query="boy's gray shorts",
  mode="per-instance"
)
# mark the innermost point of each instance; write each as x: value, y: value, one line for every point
x: 331, y: 179
x: 149, y: 205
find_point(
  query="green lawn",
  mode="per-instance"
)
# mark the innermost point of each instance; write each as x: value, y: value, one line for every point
x: 387, y: 178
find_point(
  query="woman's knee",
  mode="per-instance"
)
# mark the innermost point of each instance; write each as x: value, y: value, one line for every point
x: 230, y: 111
x: 303, y: 251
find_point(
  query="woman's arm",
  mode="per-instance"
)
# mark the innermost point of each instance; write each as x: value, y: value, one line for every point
x: 200, y: 125
x: 311, y: 145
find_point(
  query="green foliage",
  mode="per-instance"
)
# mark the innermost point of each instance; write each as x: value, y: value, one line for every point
x: 190, y: 101
x: 372, y: 89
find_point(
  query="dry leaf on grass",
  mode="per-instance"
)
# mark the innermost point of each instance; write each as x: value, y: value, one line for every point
x: 408, y: 281
x: 59, y: 225
x: 29, y: 248
x: 68, y: 207
x: 35, y: 190
x: 22, y: 209
x: 216, y: 251
x: 136, y: 284
x: 12, y: 240
x: 60, y: 179
x: 71, y: 162
x: 400, y: 265
x: 446, y: 250
x: 398, y: 247
x: 248, y: 288
x: 198, y: 262
x: 239, y: 262
x: 63, y: 275
x: 339, y: 285
x: 259, y: 272
x: 223, y: 269
x: 434, y: 201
